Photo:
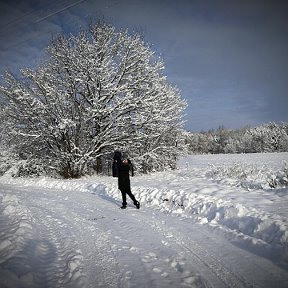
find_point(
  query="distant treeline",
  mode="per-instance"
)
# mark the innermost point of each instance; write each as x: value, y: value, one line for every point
x: 266, y: 138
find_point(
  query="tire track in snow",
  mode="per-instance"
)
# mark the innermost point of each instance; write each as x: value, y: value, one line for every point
x: 216, y: 266
x: 78, y: 260
x: 134, y: 269
x: 55, y: 261
x: 116, y: 250
x: 161, y: 266
x: 100, y: 264
x: 69, y: 235
x: 42, y: 256
x: 221, y: 273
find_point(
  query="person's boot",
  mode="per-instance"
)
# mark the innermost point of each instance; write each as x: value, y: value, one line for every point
x: 123, y: 206
x: 137, y: 204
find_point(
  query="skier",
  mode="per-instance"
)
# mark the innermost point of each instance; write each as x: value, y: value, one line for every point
x: 121, y: 169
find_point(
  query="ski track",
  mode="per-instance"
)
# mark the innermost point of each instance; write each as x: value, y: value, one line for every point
x: 96, y: 244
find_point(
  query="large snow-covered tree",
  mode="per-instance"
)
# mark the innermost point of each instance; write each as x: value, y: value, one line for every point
x: 95, y: 92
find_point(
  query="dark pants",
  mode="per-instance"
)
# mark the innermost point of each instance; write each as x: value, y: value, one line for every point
x: 129, y: 193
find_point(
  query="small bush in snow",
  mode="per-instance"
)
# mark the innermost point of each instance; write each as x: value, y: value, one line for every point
x: 250, y: 176
x: 26, y: 168
x: 278, y: 179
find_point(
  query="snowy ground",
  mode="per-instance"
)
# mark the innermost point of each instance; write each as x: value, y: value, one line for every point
x: 213, y: 222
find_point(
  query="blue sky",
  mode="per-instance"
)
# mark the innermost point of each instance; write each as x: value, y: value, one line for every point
x: 229, y: 58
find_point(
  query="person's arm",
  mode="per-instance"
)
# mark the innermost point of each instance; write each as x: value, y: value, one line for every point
x: 116, y: 164
x: 131, y: 167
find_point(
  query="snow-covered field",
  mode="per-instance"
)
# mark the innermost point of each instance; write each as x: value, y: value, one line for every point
x: 213, y: 222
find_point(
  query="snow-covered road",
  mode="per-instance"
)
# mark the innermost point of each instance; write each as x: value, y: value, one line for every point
x: 60, y: 237
x: 84, y: 240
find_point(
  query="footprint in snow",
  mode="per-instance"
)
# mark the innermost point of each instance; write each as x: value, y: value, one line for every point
x: 157, y: 270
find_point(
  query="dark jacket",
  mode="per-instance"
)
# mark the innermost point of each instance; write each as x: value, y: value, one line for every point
x: 124, y: 177
x: 122, y: 171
